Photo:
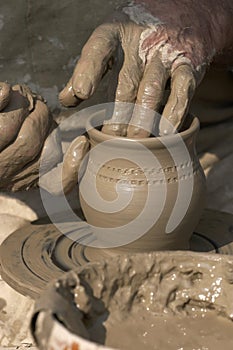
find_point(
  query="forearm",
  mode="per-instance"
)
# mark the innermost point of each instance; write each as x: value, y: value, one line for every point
x: 191, y: 19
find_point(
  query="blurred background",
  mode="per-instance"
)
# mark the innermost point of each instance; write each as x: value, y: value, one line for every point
x: 40, y: 41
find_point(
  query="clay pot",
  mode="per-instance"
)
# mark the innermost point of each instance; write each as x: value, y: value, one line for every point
x: 145, y: 194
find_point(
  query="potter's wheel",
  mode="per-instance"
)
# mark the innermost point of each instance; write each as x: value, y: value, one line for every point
x: 37, y: 253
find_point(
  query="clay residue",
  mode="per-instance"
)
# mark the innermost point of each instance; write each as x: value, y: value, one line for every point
x: 161, y: 300
x: 146, y: 330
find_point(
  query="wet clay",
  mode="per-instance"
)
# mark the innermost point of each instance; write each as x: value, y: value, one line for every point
x: 164, y: 301
x: 25, y: 124
x: 168, y: 300
x: 121, y: 167
x: 26, y: 147
x: 15, y: 107
x: 143, y: 330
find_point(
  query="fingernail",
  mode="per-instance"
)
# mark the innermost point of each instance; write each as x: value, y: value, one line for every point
x: 83, y: 89
x: 68, y: 99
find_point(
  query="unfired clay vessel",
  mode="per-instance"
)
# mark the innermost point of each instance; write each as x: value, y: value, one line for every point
x: 160, y: 300
x: 162, y: 179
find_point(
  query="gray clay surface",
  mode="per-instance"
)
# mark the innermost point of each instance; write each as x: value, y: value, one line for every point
x: 155, y: 301
x: 47, y: 38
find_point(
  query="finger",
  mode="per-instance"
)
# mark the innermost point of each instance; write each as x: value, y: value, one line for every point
x: 114, y: 74
x: 126, y: 88
x: 183, y: 84
x: 64, y: 177
x: 67, y: 96
x: 149, y: 97
x: 119, y: 117
x: 94, y: 60
x: 72, y: 161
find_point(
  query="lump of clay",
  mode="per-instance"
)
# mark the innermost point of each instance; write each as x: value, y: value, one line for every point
x: 15, y: 105
x: 25, y: 124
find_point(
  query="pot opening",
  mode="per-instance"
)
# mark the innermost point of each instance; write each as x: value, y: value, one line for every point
x: 96, y: 121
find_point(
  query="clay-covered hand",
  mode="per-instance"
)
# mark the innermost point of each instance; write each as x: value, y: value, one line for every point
x: 161, y: 43
x: 25, y: 123
x: 63, y: 178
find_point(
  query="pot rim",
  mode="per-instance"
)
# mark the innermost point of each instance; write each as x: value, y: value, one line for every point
x: 95, y: 119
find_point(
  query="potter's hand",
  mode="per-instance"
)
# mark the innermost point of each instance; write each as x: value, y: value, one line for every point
x: 64, y: 177
x: 167, y: 40
x: 25, y: 123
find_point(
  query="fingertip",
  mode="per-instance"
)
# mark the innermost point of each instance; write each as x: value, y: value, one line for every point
x: 137, y: 133
x: 114, y: 129
x: 82, y: 86
x: 183, y: 85
x: 68, y: 98
x: 167, y: 127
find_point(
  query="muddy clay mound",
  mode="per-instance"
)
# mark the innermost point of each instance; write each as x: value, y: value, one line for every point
x: 163, y: 300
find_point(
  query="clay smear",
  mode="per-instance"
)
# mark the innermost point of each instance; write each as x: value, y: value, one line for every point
x: 144, y: 330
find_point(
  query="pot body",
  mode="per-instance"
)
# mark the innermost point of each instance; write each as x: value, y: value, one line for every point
x: 146, y: 194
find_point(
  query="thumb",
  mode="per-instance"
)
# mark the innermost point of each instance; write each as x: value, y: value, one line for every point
x: 63, y: 178
x: 72, y: 161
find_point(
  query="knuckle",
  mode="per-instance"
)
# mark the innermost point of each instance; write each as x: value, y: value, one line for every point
x: 153, y: 87
x: 125, y: 94
x: 126, y: 89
